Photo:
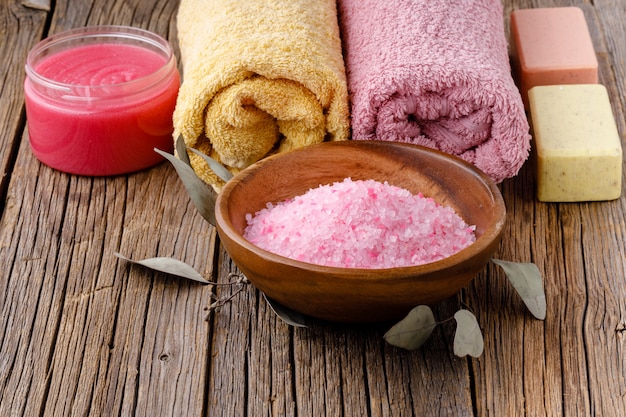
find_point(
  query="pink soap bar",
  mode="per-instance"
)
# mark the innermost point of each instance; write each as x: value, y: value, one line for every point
x: 552, y: 46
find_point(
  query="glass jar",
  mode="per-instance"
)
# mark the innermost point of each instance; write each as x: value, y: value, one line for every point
x: 100, y: 99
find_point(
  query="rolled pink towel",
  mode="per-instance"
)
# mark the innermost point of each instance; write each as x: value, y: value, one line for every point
x: 435, y: 73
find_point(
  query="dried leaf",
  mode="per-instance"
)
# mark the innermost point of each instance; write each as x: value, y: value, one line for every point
x: 468, y: 339
x: 37, y: 4
x: 291, y: 317
x: 219, y: 169
x: 200, y: 194
x: 181, y: 150
x: 526, y: 280
x: 169, y: 266
x: 412, y: 331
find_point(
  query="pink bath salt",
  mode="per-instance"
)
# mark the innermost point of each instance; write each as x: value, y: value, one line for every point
x: 359, y: 224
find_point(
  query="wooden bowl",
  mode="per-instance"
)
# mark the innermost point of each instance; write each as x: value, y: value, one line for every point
x: 360, y: 295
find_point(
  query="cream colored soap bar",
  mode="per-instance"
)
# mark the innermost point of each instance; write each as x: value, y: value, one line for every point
x: 579, y: 153
x: 552, y: 46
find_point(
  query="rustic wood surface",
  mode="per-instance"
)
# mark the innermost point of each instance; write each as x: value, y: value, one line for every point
x: 83, y: 333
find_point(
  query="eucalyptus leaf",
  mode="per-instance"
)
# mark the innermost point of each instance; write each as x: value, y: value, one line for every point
x: 202, y: 196
x: 412, y: 331
x: 169, y: 266
x: 219, y: 169
x: 526, y: 280
x: 468, y: 339
x: 181, y: 150
x: 291, y: 317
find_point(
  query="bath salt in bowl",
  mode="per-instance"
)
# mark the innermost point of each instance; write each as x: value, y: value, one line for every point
x: 360, y: 224
x: 372, y: 289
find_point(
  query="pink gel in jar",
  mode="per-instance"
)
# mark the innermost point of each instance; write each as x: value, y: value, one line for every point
x: 100, y: 99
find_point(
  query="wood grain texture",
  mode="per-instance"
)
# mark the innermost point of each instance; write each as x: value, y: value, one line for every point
x: 86, y: 334
x: 83, y: 333
x: 20, y: 29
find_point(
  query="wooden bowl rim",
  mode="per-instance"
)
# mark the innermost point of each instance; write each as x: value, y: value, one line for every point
x: 492, y: 232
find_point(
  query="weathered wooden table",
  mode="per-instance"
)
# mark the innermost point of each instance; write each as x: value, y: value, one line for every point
x: 84, y: 333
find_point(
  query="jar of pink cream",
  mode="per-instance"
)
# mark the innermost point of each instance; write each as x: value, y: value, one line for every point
x: 100, y: 99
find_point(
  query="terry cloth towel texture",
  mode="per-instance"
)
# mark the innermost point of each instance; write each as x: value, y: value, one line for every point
x: 435, y: 73
x: 259, y: 77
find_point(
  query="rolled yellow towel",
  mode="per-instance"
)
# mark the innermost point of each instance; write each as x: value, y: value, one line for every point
x: 259, y: 77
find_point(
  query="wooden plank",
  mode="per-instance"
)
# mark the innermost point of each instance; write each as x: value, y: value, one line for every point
x: 560, y: 366
x: 103, y: 334
x: 610, y: 18
x: 604, y: 234
x: 500, y: 373
x: 325, y: 369
x: 86, y: 333
x: 21, y: 29
x: 18, y: 361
